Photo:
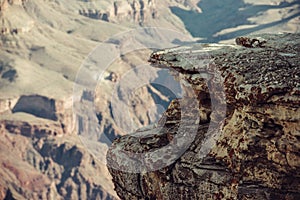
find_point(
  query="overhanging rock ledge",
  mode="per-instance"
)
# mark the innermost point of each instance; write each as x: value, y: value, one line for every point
x: 241, y: 140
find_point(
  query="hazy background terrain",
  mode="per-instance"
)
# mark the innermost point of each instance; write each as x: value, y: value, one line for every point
x: 54, y: 128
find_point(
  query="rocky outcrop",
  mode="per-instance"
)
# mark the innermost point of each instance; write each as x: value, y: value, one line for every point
x: 54, y: 117
x: 234, y: 135
x: 137, y: 11
x: 95, y: 14
x: 32, y: 129
x: 16, y: 30
x: 43, y: 157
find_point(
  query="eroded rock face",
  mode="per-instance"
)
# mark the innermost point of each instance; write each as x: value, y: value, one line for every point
x: 41, y: 155
x: 133, y: 11
x: 58, y: 112
x: 50, y: 168
x: 247, y: 139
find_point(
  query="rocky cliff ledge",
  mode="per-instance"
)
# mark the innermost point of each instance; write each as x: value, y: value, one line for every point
x: 239, y: 140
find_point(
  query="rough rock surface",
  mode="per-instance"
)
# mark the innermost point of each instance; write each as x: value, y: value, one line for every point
x: 249, y: 150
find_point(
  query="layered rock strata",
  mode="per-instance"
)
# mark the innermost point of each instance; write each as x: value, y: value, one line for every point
x: 50, y: 167
x: 240, y: 139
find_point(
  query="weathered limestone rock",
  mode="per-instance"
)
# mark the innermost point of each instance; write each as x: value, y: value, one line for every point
x: 240, y: 140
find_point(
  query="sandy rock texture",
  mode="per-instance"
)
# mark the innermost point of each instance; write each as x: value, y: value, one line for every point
x: 240, y: 140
